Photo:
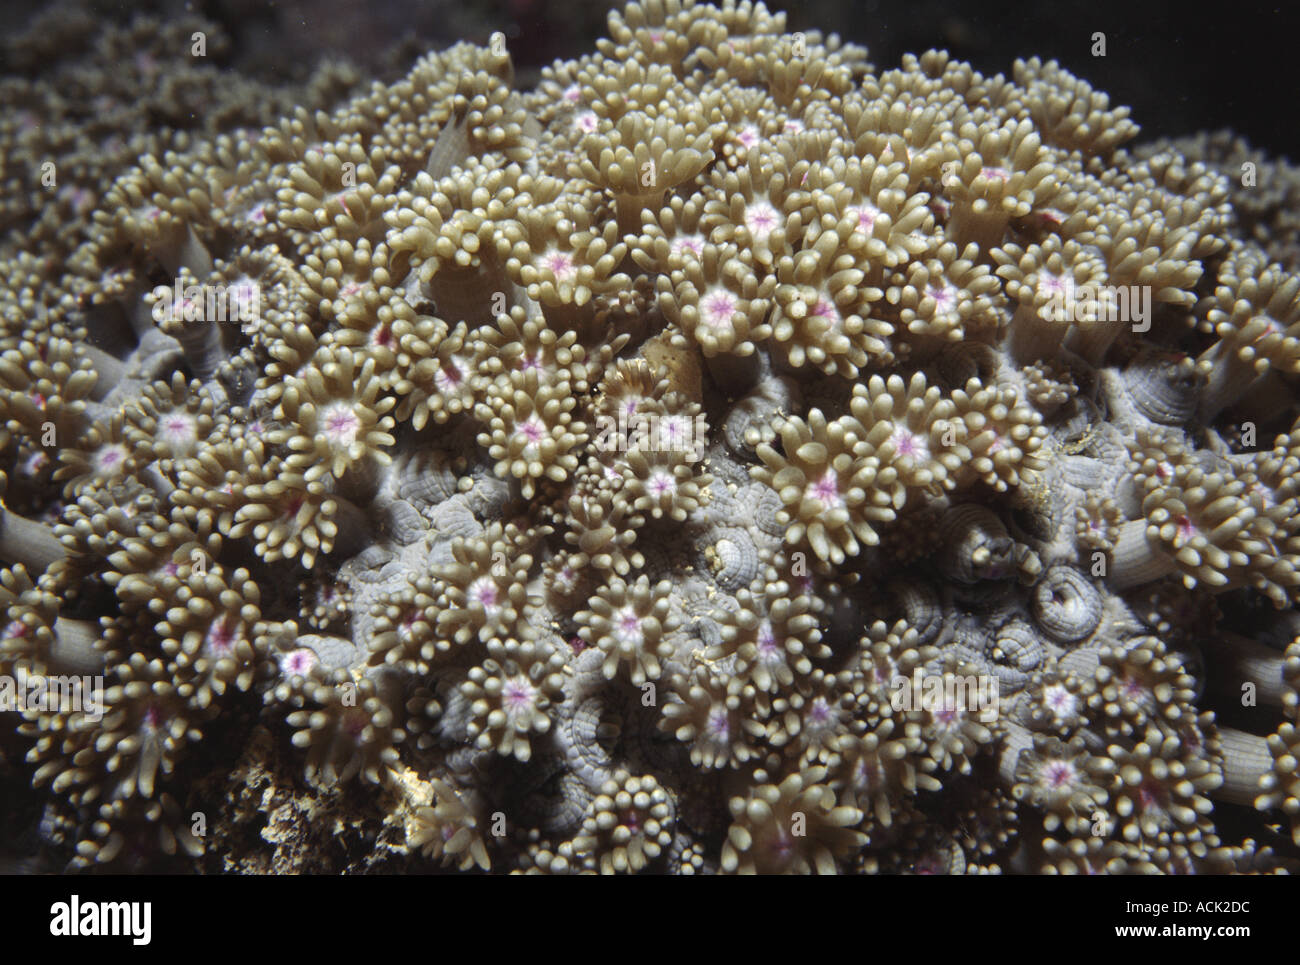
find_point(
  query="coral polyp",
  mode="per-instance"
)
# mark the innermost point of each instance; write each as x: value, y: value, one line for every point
x: 724, y: 456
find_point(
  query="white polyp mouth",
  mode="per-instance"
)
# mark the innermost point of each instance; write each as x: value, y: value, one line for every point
x: 560, y: 265
x: 717, y: 308
x: 819, y: 715
x: 340, y: 425
x: 826, y: 490
x: 945, y: 301
x: 531, y: 431
x: 1052, y: 285
x: 661, y: 484
x: 111, y: 459
x: 485, y: 593
x: 627, y: 627
x: 517, y: 696
x: 256, y: 213
x: 1059, y: 701
x: 909, y: 445
x: 1058, y: 775
x: 674, y: 432
x: 864, y: 217
x: 219, y: 640
x: 692, y: 245
x: 178, y: 431
x: 449, y: 377
x: 825, y: 309
x: 761, y: 218
x: 769, y: 651
x: 298, y: 662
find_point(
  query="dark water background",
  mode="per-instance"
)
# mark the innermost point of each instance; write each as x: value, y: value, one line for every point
x: 1182, y: 67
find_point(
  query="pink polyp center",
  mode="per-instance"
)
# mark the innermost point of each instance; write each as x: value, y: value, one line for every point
x: 221, y: 638
x: 782, y: 845
x: 718, y: 309
x: 355, y: 721
x: 1149, y: 795
x: 449, y: 377
x: 945, y: 298
x: 865, y: 216
x: 179, y: 431
x: 1132, y: 688
x: 1060, y: 700
x: 693, y: 244
x: 628, y: 628
x: 110, y: 459
x: 1058, y: 774
x: 761, y: 219
x: 909, y: 444
x: 827, y: 310
x: 1053, y: 285
x: 532, y: 431
x: 517, y: 695
x: 930, y: 865
x: 867, y: 774
x: 661, y: 484
x: 484, y: 592
x: 341, y: 425
x: 299, y: 662
x: 560, y: 265
x: 826, y: 490
x: 34, y: 463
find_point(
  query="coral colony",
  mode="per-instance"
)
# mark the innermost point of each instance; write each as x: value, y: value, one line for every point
x: 727, y: 456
